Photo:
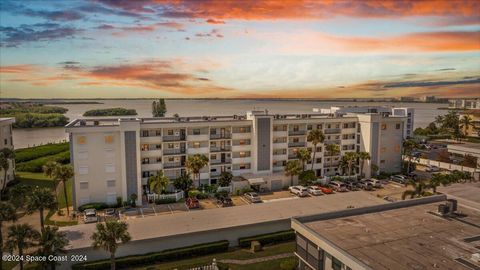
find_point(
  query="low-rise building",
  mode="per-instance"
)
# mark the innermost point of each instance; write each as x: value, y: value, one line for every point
x: 464, y: 103
x: 115, y: 157
x: 401, y: 235
x: 463, y: 149
x: 6, y: 141
x: 472, y: 130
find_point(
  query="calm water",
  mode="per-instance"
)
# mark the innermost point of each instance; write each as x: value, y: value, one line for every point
x: 424, y: 112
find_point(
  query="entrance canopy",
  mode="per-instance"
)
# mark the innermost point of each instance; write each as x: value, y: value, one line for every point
x: 256, y: 181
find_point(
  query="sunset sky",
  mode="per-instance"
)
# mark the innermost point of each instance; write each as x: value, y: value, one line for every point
x: 291, y: 49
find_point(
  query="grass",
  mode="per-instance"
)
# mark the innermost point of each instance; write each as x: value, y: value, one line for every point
x: 238, y: 254
x: 268, y: 265
x: 31, y: 153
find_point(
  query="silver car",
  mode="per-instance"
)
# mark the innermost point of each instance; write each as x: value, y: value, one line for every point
x: 253, y: 197
x: 90, y: 216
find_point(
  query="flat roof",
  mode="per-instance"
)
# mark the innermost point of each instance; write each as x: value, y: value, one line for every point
x: 404, y: 238
x: 211, y: 219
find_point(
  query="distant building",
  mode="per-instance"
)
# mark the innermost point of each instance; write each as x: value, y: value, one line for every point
x: 384, y: 110
x: 461, y: 150
x: 6, y: 141
x: 463, y: 103
x: 428, y: 98
x: 407, y: 99
x: 474, y: 129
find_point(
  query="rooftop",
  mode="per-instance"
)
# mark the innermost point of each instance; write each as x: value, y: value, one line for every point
x: 405, y: 238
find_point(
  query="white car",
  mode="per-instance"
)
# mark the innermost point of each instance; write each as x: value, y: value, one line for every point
x: 431, y: 168
x: 300, y: 191
x: 253, y: 197
x: 90, y: 215
x: 338, y: 186
x: 402, y: 179
x: 313, y: 190
x: 375, y: 182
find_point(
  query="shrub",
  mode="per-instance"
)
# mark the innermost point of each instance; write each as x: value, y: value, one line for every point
x: 165, y: 201
x: 31, y: 153
x: 193, y: 193
x: 96, y: 206
x: 110, y: 112
x: 270, y: 238
x: 307, y: 177
x: 220, y: 194
x: 36, y: 165
x: 32, y: 120
x: 289, y: 264
x: 202, y: 196
x: 157, y: 257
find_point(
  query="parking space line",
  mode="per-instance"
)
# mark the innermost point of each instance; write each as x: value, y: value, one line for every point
x: 170, y: 208
x: 141, y: 212
x: 154, y: 211
x: 247, y: 202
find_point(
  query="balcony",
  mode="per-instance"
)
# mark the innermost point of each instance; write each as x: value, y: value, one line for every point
x: 215, y: 174
x: 220, y: 136
x: 172, y: 138
x: 221, y: 149
x: 151, y: 153
x: 151, y: 166
x: 332, y: 142
x: 167, y: 152
x: 199, y: 150
x: 219, y: 162
x: 296, y: 133
x: 151, y: 139
x: 296, y: 144
x: 198, y: 137
x: 292, y: 156
x: 332, y: 131
x: 170, y: 165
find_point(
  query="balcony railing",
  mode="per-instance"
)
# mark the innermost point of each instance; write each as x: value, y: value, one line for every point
x: 296, y: 144
x: 215, y: 174
x: 332, y: 131
x: 220, y: 136
x: 174, y: 151
x: 294, y: 156
x: 220, y: 149
x: 224, y: 161
x: 279, y: 153
x: 332, y: 142
x: 172, y: 165
x: 171, y: 138
x: 298, y: 132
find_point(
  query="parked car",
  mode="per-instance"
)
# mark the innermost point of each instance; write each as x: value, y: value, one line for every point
x: 225, y: 201
x: 253, y: 197
x: 300, y: 191
x: 90, y: 215
x: 326, y: 190
x: 366, y: 185
x: 314, y: 190
x: 375, y: 182
x: 110, y: 213
x: 412, y: 175
x: 431, y: 168
x: 192, y: 203
x: 338, y: 186
x: 352, y: 186
x: 402, y: 179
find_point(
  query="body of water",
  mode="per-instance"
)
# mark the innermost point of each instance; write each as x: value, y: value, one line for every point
x: 424, y: 112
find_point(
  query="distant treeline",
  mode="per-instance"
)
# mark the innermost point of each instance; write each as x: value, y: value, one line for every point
x: 37, y: 120
x: 33, y: 109
x: 110, y: 112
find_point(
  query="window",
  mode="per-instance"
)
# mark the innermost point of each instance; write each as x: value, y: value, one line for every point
x: 319, y: 126
x: 170, y: 132
x: 170, y: 146
x: 145, y: 133
x: 196, y: 145
x: 145, y: 160
x: 336, y: 264
x: 158, y: 132
x: 5, y: 141
x: 159, y: 159
x: 109, y: 153
x: 241, y: 142
x: 296, y: 140
x: 109, y: 139
x: 111, y: 183
x: 382, y: 161
x: 196, y: 131
x: 384, y: 126
x: 144, y: 147
x: 319, y: 160
x: 295, y: 128
x: 109, y: 168
x: 397, y: 126
x: 243, y: 130
x: 213, y: 156
x: 81, y: 140
x: 83, y: 170
x: 309, y: 127
x: 82, y: 155
x: 83, y: 185
x: 242, y: 154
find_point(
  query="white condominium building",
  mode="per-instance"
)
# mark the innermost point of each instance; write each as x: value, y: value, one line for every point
x: 115, y: 157
x: 6, y: 141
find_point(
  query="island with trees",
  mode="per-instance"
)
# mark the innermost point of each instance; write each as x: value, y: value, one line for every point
x: 110, y: 112
x: 32, y: 115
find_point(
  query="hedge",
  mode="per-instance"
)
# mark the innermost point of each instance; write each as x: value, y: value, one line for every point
x: 157, y: 257
x: 165, y: 201
x: 96, y: 206
x: 270, y: 238
x: 37, y: 164
x: 31, y: 153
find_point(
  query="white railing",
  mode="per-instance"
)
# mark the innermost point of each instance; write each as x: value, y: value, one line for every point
x: 228, y: 189
x: 177, y: 196
x: 212, y: 266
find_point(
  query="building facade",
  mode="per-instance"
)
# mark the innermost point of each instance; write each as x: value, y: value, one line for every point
x: 464, y: 103
x: 115, y: 157
x: 6, y: 141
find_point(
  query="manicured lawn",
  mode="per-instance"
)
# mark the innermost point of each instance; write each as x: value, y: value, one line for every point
x: 237, y: 254
x: 39, y: 179
x: 268, y: 265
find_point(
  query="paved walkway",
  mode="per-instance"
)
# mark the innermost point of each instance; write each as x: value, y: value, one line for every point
x: 257, y: 260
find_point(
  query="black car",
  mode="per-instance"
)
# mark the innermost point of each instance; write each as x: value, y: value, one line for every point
x: 225, y: 201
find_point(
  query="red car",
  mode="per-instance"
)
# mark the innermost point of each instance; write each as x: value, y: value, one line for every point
x: 325, y: 190
x: 192, y: 203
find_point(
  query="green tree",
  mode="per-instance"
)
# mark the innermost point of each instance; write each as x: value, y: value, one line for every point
x: 292, y: 168
x: 41, y: 199
x: 6, y: 157
x: 419, y: 189
x: 108, y: 235
x: 350, y: 157
x: 409, y: 147
x: 363, y: 156
x: 333, y: 150
x: 196, y: 163
x: 7, y: 213
x: 158, y: 183
x: 225, y: 179
x: 21, y: 237
x: 51, y: 243
x: 315, y: 136
x: 18, y: 195
x: 159, y: 108
x: 184, y: 182
x: 49, y: 171
x: 307, y: 177
x: 304, y: 156
x: 63, y: 173
x: 437, y: 180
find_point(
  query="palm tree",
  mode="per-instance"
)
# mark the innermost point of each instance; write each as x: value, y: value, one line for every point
x: 195, y: 163
x: 419, y: 189
x: 409, y: 147
x: 292, y: 168
x: 49, y: 171
x: 18, y: 195
x: 225, y: 179
x: 437, y: 180
x: 63, y: 173
x: 184, y: 182
x: 52, y: 243
x: 332, y: 149
x: 107, y: 236
x: 343, y: 164
x: 304, y: 156
x: 466, y: 122
x: 350, y: 157
x: 158, y: 183
x: 21, y: 237
x: 41, y: 199
x: 7, y: 213
x: 363, y: 156
x: 6, y: 155
x: 315, y: 136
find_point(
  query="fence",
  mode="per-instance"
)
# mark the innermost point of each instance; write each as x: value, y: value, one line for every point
x: 212, y: 266
x: 228, y: 189
x: 446, y: 166
x: 177, y: 196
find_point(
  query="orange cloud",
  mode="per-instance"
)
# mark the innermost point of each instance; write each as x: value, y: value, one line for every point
x: 17, y: 68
